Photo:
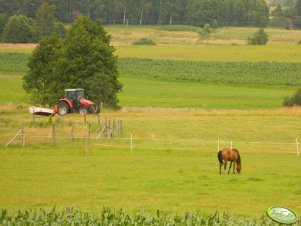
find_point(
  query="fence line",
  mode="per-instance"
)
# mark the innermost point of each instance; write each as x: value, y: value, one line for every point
x: 154, y: 139
x: 53, y: 137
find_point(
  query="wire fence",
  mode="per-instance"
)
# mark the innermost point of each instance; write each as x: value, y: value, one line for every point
x: 131, y: 142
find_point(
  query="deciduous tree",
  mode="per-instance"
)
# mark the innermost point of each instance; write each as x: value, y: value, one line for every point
x: 20, y: 29
x: 84, y: 59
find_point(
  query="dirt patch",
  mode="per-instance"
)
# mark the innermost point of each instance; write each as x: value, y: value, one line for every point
x: 6, y: 47
x: 223, y: 42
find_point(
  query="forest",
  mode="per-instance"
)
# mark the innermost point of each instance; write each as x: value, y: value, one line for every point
x: 155, y: 12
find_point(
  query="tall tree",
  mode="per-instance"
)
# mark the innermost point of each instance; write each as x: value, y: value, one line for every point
x: 45, y: 19
x: 40, y: 81
x: 298, y: 8
x: 84, y: 59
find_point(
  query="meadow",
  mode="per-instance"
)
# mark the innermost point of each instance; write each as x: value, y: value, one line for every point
x: 175, y: 109
x: 172, y: 166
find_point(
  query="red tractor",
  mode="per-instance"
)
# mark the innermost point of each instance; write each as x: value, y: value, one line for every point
x: 74, y: 101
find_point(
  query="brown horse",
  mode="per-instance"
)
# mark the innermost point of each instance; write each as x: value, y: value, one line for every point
x: 231, y: 155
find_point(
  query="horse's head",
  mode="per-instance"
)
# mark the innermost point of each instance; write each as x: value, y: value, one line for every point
x: 238, y: 168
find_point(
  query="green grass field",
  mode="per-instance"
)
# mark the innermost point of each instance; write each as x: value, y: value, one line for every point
x: 176, y: 109
x: 173, y: 165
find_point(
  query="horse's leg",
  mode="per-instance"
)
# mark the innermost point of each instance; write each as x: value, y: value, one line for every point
x: 230, y: 167
x: 225, y: 165
x: 234, y: 167
x: 220, y: 168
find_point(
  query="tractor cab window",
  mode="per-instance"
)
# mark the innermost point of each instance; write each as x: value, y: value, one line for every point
x: 71, y: 95
x: 80, y: 94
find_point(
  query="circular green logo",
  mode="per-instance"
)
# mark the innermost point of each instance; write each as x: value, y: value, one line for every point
x: 282, y: 215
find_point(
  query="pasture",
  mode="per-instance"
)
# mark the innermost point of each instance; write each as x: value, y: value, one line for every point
x: 176, y: 116
x: 173, y: 165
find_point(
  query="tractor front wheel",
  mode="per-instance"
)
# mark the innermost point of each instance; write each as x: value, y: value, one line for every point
x: 63, y: 108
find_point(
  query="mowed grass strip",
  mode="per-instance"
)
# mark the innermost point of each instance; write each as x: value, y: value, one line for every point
x: 156, y: 93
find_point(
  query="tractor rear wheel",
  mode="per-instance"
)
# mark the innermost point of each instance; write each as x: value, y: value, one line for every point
x: 83, y: 110
x: 63, y: 108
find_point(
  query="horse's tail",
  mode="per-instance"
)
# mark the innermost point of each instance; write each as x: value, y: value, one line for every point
x: 220, y: 157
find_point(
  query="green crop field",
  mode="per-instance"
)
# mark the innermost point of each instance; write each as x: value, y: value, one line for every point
x: 161, y: 83
x: 178, y: 101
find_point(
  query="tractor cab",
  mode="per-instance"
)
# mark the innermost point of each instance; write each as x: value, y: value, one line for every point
x: 74, y: 95
x: 74, y: 101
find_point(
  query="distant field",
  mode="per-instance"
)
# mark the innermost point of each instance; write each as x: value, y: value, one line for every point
x: 226, y: 53
x: 167, y: 83
x: 188, y: 35
x: 158, y: 93
x: 278, y: 53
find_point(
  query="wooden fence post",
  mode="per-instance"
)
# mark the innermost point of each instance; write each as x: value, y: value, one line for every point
x: 53, y: 134
x: 98, y: 118
x: 85, y: 119
x: 72, y: 131
x: 131, y: 142
x: 120, y: 128
x: 22, y: 137
x: 297, y: 143
x: 113, y: 127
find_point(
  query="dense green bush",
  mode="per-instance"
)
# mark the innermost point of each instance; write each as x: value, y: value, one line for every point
x: 259, y: 38
x: 20, y: 29
x: 294, y: 100
x: 144, y: 41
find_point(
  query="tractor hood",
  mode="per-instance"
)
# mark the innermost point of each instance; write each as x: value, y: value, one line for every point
x: 85, y: 102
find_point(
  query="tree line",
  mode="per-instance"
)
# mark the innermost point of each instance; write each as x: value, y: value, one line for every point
x: 191, y: 12
x: 35, y: 19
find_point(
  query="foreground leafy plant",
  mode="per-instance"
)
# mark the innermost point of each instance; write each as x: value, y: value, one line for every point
x: 119, y: 217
